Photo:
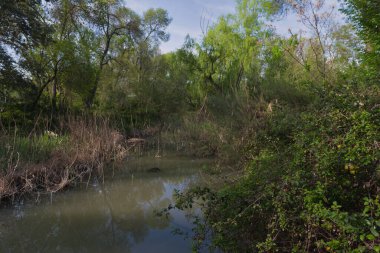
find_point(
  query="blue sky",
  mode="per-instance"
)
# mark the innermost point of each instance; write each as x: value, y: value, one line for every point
x: 187, y: 16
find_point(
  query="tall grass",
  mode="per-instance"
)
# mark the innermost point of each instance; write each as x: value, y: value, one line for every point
x: 48, y: 161
x: 35, y: 149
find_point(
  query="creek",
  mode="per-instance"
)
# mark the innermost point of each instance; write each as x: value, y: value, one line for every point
x: 117, y: 215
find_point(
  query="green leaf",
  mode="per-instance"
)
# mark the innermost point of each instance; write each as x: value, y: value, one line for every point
x: 370, y: 237
x: 374, y: 232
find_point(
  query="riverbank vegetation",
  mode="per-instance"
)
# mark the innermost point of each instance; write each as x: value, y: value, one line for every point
x: 302, y: 116
x: 50, y: 161
x: 293, y: 120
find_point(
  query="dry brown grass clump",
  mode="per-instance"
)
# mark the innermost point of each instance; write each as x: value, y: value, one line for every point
x: 89, y: 144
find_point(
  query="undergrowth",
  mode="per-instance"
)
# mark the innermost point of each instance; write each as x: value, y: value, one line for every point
x: 51, y: 161
x: 310, y: 180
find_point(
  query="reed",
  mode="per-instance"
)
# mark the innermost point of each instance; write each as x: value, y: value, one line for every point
x: 48, y: 161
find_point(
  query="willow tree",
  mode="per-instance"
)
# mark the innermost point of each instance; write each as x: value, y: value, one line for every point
x: 228, y: 61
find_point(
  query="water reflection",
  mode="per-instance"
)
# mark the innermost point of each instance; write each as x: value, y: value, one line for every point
x: 117, y: 216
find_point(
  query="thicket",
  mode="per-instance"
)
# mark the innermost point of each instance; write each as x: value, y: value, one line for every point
x: 47, y: 162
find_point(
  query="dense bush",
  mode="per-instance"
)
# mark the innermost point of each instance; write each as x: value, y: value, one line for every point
x: 312, y: 186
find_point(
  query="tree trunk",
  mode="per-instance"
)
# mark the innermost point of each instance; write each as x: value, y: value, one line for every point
x: 54, y: 98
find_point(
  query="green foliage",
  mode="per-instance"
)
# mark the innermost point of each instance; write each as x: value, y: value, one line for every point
x: 22, y: 24
x: 316, y: 189
x: 15, y: 90
x: 298, y: 118
x: 63, y: 62
x: 310, y: 153
x: 35, y: 149
x: 155, y: 22
x: 147, y: 94
x: 365, y: 17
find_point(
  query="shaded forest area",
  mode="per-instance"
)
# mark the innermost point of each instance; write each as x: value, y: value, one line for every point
x: 293, y: 121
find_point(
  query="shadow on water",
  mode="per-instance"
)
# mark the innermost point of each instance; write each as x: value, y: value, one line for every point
x: 117, y: 216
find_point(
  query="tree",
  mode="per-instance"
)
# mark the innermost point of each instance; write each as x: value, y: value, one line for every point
x: 228, y: 60
x: 15, y: 89
x: 23, y: 25
x: 68, y: 56
x: 113, y: 24
x: 366, y: 19
x: 131, y: 75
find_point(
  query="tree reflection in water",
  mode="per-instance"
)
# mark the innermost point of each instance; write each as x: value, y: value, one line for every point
x: 117, y: 216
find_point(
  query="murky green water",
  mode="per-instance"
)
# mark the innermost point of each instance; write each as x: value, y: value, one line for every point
x: 117, y: 216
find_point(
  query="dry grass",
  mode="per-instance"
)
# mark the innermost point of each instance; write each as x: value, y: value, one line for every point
x: 89, y: 145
